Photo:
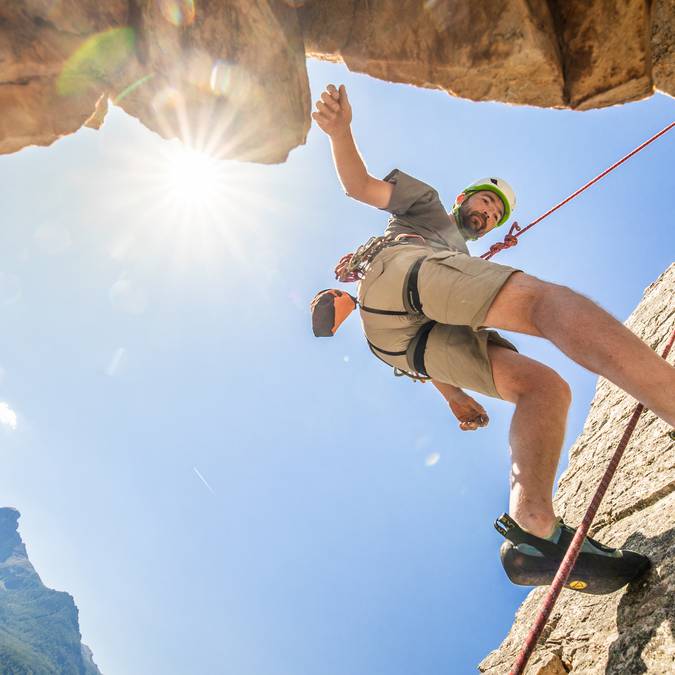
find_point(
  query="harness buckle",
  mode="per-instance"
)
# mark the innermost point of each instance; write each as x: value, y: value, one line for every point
x: 504, y: 524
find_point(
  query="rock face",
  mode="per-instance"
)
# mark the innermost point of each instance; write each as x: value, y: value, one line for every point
x: 630, y: 631
x: 39, y: 629
x: 229, y: 76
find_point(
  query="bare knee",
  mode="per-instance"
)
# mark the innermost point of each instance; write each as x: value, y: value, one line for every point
x: 524, y: 303
x: 517, y: 376
x: 547, y: 384
x: 560, y: 390
x: 549, y: 302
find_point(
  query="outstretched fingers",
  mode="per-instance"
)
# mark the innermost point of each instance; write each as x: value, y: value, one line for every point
x: 329, y: 101
x: 333, y: 112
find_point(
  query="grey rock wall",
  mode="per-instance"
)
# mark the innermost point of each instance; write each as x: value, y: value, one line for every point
x: 633, y: 630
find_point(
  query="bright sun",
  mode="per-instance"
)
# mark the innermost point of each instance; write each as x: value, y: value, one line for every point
x: 194, y: 179
x: 191, y: 208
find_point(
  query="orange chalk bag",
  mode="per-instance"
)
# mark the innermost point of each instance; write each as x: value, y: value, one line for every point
x: 329, y: 309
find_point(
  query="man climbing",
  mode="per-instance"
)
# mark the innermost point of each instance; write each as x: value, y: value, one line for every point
x: 427, y: 307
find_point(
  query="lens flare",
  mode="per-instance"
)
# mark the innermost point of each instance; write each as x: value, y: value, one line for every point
x: 133, y: 86
x: 189, y: 205
x: 230, y: 81
x: 99, y: 57
x: 168, y: 99
x: 10, y: 288
x: 116, y: 362
x: 178, y: 12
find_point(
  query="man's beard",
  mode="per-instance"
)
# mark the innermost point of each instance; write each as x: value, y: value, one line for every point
x: 472, y: 223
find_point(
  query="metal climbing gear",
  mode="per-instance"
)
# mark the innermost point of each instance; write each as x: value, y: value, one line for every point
x: 353, y: 266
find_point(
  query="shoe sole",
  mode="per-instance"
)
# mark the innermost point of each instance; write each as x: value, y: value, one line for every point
x: 591, y: 574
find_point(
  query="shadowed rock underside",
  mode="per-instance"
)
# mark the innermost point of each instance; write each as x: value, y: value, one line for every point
x: 230, y: 76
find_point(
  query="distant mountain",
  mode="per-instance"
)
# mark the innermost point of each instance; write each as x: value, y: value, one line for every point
x: 39, y: 628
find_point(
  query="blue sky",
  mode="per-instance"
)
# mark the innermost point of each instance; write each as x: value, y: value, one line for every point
x: 150, y: 342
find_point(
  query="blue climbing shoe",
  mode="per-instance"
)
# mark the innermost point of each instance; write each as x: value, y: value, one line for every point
x: 534, y: 561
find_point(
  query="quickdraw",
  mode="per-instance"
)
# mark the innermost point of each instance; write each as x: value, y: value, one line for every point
x: 353, y: 266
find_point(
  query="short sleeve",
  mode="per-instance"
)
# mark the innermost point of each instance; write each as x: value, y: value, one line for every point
x: 417, y: 209
x: 410, y: 196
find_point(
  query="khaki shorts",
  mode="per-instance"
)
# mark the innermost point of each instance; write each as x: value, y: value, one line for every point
x: 456, y: 291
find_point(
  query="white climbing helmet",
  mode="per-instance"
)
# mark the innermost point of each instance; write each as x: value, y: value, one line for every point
x: 497, y: 185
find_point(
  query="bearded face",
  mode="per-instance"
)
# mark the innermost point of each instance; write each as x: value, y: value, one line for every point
x: 480, y: 213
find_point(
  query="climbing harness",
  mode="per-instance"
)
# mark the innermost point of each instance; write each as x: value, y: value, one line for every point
x: 575, y: 547
x: 413, y: 304
x: 353, y: 267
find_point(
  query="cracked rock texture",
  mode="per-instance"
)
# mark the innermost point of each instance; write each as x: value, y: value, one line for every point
x: 229, y: 76
x: 633, y: 630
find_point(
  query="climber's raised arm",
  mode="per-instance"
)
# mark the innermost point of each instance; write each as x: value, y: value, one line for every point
x: 334, y: 116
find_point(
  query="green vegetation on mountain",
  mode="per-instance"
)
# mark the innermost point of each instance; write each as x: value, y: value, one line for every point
x: 39, y: 628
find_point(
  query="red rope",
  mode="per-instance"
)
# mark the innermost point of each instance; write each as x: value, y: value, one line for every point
x: 511, y: 239
x: 573, y: 551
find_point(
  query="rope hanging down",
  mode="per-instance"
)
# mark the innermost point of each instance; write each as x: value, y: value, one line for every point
x: 511, y: 239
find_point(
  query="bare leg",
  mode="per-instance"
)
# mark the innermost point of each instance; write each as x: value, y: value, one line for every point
x: 588, y: 335
x: 537, y: 432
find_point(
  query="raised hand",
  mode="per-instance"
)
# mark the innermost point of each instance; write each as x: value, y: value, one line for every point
x: 333, y: 112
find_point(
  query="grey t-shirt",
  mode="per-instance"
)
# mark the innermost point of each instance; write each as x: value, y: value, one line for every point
x: 417, y: 209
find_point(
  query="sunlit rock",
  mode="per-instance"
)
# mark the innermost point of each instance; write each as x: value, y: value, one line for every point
x: 230, y: 77
x: 629, y: 631
x: 498, y: 51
